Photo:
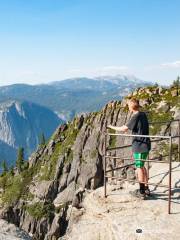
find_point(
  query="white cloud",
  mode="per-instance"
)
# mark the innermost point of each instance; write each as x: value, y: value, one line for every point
x: 166, y: 66
x: 25, y: 76
x: 104, y: 70
x: 175, y: 64
x: 115, y: 68
x: 112, y: 70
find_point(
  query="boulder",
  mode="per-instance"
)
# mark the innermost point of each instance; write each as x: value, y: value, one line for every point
x: 163, y: 106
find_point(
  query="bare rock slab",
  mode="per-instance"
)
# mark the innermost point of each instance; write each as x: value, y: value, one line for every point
x: 121, y: 216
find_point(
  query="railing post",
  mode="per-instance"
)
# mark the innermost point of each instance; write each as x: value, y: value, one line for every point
x: 105, y: 143
x: 170, y: 166
x: 179, y: 141
x: 148, y: 167
x: 170, y: 128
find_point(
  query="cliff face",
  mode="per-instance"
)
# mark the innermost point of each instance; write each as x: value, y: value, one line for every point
x: 38, y: 199
x: 21, y: 123
x: 71, y: 161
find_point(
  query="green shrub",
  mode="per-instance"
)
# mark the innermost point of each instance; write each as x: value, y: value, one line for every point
x: 112, y: 140
x: 60, y: 149
x: 13, y: 190
x: 94, y: 153
x: 163, y: 150
x: 15, y: 186
x: 158, y: 117
x: 39, y: 210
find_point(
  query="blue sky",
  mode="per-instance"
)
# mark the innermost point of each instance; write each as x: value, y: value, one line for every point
x: 47, y: 40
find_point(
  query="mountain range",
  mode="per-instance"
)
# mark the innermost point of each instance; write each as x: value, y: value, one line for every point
x: 26, y: 111
x: 74, y: 96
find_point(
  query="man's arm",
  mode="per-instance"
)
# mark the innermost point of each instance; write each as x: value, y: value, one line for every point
x: 123, y: 128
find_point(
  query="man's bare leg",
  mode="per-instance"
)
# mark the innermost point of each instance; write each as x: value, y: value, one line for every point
x: 146, y: 187
x: 140, y: 193
x: 140, y: 175
x: 145, y: 180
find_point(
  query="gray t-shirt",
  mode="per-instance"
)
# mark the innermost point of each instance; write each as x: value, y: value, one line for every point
x: 140, y: 126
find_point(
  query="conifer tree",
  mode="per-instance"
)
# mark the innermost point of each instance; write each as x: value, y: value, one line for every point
x: 176, y: 83
x: 4, y: 166
x: 42, y: 140
x: 20, y: 159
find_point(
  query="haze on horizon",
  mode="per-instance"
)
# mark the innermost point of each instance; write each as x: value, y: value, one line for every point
x: 43, y: 41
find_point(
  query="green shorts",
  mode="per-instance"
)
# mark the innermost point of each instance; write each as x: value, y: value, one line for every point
x: 137, y: 156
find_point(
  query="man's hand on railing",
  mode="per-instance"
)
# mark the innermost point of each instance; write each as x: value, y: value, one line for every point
x: 120, y: 129
x: 110, y: 126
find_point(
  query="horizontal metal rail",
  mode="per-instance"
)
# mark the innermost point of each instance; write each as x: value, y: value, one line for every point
x: 118, y: 168
x: 120, y: 147
x: 138, y: 135
x: 127, y: 158
x: 163, y: 122
x: 130, y: 145
x: 135, y: 181
x: 146, y: 160
x: 177, y: 136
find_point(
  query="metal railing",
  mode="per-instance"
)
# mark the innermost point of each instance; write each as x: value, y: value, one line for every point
x: 156, y: 137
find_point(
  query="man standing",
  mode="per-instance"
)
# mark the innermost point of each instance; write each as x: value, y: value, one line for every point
x: 140, y: 145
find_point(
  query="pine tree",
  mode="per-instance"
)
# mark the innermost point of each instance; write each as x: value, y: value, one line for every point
x: 20, y: 159
x: 4, y: 167
x: 156, y: 85
x: 42, y: 140
x: 176, y: 83
x: 11, y: 170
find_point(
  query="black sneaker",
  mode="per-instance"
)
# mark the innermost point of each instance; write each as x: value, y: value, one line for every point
x: 147, y: 192
x: 136, y: 193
